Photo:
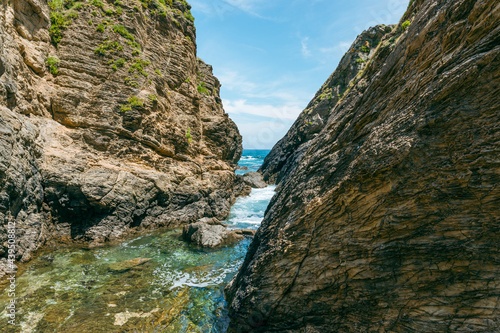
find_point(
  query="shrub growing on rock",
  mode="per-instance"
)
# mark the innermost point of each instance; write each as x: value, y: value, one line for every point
x: 53, y: 63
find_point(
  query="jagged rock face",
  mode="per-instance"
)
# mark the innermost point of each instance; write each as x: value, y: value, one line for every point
x: 389, y: 222
x: 21, y: 189
x: 285, y: 154
x: 109, y: 122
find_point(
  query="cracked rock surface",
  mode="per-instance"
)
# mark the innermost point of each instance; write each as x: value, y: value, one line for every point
x: 108, y: 125
x: 388, y: 221
x: 282, y: 159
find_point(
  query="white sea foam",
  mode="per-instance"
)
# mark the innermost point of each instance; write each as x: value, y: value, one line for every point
x: 248, y: 158
x: 265, y: 193
x: 248, y: 212
x: 171, y: 278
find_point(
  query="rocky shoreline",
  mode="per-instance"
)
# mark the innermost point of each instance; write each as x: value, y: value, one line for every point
x: 109, y: 124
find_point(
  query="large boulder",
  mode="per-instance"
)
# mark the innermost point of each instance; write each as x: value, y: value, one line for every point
x: 254, y: 180
x: 210, y: 236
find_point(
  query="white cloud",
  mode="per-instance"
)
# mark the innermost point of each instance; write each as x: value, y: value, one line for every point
x: 327, y: 55
x: 305, y: 48
x: 263, y: 134
x: 341, y: 47
x: 283, y: 91
x: 280, y: 113
x: 232, y: 80
x: 244, y: 5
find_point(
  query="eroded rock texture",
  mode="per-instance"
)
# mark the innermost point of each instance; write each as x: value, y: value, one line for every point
x: 389, y: 221
x: 108, y: 122
x: 283, y: 158
x: 209, y: 235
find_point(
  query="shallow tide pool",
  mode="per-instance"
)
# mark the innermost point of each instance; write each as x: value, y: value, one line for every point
x: 152, y: 283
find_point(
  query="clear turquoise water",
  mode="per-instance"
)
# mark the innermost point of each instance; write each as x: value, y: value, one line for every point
x: 179, y: 290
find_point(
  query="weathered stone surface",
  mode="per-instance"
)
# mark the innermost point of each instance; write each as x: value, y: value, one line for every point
x: 284, y: 156
x: 209, y: 235
x: 212, y: 221
x: 127, y: 265
x: 21, y: 187
x: 245, y: 232
x: 254, y: 180
x: 389, y: 221
x: 119, y: 134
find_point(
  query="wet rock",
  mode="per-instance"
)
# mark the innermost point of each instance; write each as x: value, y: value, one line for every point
x: 254, y: 179
x: 210, y: 236
x: 127, y: 265
x: 123, y: 317
x: 47, y: 259
x: 245, y: 232
x: 389, y: 219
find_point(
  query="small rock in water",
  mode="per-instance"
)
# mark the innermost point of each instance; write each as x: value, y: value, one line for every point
x: 127, y: 265
x: 210, y: 236
x: 246, y: 232
x: 254, y: 179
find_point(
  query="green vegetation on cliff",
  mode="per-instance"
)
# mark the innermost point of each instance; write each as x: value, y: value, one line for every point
x: 53, y: 63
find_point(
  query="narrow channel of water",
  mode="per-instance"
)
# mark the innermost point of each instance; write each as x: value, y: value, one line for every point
x: 179, y: 288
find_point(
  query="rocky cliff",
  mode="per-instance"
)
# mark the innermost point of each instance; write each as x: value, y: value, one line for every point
x: 389, y: 221
x: 108, y: 122
x: 284, y: 156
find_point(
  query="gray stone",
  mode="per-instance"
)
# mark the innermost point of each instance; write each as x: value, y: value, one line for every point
x: 210, y: 236
x: 254, y: 179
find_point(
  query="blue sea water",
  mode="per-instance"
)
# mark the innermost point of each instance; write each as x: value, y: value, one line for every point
x: 252, y: 159
x: 248, y: 212
x: 180, y: 289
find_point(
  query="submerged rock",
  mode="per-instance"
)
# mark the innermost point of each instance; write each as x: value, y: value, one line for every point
x: 210, y: 236
x: 388, y: 221
x: 127, y: 265
x: 123, y: 317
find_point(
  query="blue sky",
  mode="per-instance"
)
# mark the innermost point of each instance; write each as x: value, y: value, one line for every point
x: 271, y: 56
